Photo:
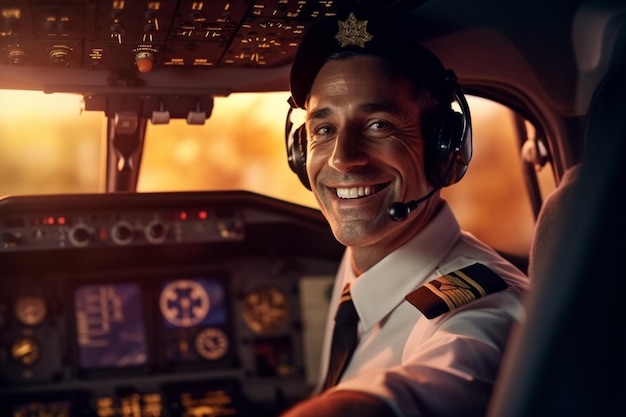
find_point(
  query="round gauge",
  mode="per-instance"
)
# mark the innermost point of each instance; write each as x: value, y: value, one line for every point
x: 184, y: 303
x: 212, y: 343
x: 30, y: 310
x: 26, y: 351
x: 266, y: 310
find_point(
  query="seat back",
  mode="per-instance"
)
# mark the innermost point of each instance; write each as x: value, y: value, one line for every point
x: 549, y: 224
x: 565, y: 358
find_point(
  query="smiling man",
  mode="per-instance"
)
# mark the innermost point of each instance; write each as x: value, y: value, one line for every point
x: 365, y: 148
x: 431, y: 306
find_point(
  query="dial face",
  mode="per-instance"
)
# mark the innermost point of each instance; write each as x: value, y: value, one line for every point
x: 184, y: 303
x: 30, y: 310
x: 26, y: 351
x: 212, y: 343
x: 266, y: 310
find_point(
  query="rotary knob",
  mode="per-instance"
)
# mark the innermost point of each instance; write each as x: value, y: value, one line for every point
x: 156, y: 232
x: 122, y: 233
x: 80, y: 235
x: 26, y: 351
x: 144, y: 61
x: 10, y: 239
x: 18, y: 57
x: 60, y: 57
x: 30, y: 310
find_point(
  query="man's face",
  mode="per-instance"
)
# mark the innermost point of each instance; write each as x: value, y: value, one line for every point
x: 365, y: 151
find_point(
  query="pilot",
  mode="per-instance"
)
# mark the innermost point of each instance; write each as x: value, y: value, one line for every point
x: 427, y: 307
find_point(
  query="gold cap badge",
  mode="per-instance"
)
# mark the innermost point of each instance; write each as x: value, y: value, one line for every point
x: 353, y: 32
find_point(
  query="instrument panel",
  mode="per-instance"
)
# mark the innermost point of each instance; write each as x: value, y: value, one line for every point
x: 161, y: 50
x: 117, y: 34
x: 198, y: 323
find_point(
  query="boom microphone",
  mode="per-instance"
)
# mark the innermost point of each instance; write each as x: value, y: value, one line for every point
x: 399, y: 211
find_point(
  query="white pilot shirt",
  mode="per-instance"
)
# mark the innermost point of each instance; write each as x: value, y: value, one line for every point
x: 440, y: 366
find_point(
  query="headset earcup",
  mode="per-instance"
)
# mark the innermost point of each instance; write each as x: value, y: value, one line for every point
x: 447, y: 148
x: 296, y: 154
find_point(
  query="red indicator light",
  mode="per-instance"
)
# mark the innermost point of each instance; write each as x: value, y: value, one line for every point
x: 202, y: 214
x: 48, y: 220
x: 183, y: 215
x: 60, y: 220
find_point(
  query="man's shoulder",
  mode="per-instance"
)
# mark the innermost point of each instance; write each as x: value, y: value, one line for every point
x: 455, y: 289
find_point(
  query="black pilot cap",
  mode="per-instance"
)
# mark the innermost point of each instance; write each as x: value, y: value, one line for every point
x: 363, y: 36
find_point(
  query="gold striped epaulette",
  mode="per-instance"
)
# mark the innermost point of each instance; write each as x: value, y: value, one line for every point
x: 455, y: 289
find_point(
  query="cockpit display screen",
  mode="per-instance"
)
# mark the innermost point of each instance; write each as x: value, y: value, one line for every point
x: 110, y: 326
x: 193, y: 302
x: 195, y: 321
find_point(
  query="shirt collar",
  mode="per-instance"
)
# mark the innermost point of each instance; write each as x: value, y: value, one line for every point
x: 382, y: 287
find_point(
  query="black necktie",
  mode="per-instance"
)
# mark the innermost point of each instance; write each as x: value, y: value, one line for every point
x: 344, y: 338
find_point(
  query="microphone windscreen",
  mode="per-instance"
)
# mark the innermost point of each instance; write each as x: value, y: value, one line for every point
x: 398, y: 211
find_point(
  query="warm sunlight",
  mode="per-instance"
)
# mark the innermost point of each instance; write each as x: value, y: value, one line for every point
x: 241, y: 146
x: 50, y: 145
x: 35, y: 105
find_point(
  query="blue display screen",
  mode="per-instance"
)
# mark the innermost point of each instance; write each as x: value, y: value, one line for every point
x: 194, y: 315
x: 193, y: 302
x: 110, y: 326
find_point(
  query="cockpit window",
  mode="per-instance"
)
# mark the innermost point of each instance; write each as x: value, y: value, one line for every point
x: 240, y: 147
x: 50, y: 145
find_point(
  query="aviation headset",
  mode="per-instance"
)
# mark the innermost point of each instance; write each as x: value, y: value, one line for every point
x: 447, y: 133
x: 447, y: 145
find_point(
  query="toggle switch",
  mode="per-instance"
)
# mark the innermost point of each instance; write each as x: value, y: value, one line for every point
x: 197, y: 117
x: 161, y: 116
